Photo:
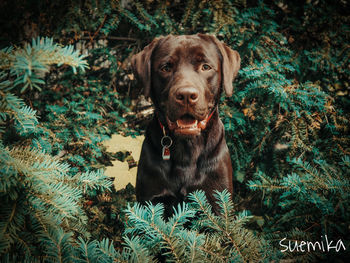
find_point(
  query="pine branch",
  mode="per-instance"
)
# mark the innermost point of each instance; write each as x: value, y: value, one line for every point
x: 28, y: 64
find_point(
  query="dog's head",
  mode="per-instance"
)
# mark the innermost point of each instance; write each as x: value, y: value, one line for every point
x: 184, y: 75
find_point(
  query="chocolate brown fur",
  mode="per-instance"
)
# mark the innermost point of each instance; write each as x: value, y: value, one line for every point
x: 185, y: 75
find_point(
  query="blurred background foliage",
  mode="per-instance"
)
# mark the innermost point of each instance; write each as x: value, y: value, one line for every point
x: 287, y: 127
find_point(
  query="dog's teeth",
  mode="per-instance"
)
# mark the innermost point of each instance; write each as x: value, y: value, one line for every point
x: 181, y: 125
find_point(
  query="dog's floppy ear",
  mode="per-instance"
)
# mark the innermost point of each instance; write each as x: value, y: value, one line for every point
x: 141, y: 65
x: 231, y: 62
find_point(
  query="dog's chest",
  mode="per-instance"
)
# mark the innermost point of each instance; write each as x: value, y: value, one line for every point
x: 185, y: 153
x: 186, y: 172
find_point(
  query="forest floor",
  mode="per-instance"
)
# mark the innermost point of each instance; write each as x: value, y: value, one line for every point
x: 124, y: 172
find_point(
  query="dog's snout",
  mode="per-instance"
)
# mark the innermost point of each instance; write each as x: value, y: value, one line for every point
x: 187, y: 95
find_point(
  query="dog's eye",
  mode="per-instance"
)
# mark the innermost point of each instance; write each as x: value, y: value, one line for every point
x: 166, y: 67
x: 206, y: 67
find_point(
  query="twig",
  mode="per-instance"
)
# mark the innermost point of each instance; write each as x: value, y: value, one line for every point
x: 98, y: 29
x: 111, y: 38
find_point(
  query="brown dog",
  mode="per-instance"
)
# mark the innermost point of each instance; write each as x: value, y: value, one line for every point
x: 184, y: 148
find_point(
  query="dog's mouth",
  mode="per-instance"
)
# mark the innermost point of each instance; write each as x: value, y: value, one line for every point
x: 187, y: 125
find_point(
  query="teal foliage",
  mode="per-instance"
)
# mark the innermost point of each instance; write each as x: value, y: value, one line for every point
x: 287, y: 121
x: 287, y: 128
x: 40, y: 196
x: 303, y: 191
x: 80, y: 111
x: 28, y: 63
x: 209, y: 238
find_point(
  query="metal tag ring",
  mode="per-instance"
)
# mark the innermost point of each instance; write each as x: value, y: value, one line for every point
x: 163, y: 141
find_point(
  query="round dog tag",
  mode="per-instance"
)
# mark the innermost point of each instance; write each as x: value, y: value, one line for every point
x: 166, y: 142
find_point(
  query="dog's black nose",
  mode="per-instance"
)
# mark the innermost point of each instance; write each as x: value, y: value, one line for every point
x: 187, y: 95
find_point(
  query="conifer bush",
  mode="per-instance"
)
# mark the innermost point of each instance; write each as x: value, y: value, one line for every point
x: 287, y: 122
x: 209, y: 238
x: 40, y: 198
x: 287, y: 128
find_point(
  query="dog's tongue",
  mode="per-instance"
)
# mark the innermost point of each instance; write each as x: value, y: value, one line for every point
x: 186, y: 122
